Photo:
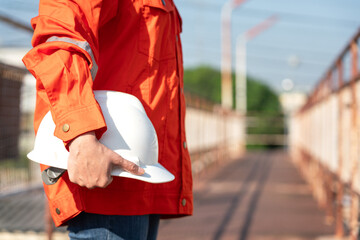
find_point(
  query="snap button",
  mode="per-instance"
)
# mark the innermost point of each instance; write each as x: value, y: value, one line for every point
x: 163, y: 2
x: 66, y: 127
x: 183, y: 202
x: 57, y: 211
x: 184, y: 144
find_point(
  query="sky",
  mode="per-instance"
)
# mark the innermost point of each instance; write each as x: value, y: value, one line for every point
x: 313, y: 32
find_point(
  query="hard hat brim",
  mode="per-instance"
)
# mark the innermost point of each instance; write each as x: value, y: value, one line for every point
x: 153, y: 173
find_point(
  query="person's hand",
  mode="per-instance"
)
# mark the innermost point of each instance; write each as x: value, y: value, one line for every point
x: 90, y: 163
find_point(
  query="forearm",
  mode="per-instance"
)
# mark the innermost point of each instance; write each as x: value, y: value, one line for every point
x: 63, y: 61
x: 66, y: 79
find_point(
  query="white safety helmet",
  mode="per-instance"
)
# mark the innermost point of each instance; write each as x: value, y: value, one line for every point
x: 129, y: 133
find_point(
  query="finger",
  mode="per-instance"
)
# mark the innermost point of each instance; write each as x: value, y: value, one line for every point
x: 80, y: 181
x: 88, y: 186
x: 72, y: 178
x: 128, y: 166
x: 110, y: 179
x: 135, y: 169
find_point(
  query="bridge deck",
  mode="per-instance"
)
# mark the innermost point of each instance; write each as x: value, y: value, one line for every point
x: 260, y: 196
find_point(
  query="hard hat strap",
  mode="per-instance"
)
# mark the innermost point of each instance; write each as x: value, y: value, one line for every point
x: 51, y: 175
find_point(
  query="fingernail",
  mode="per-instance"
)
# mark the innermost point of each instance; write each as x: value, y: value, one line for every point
x: 141, y: 171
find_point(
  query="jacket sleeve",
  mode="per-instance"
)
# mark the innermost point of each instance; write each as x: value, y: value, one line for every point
x: 63, y: 61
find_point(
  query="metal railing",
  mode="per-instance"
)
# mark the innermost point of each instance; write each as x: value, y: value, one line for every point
x: 15, y: 131
x: 213, y: 133
x: 324, y: 140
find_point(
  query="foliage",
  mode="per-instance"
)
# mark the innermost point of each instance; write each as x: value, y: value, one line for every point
x: 261, y: 99
x: 263, y: 104
x: 20, y: 162
x: 206, y: 82
x: 203, y: 81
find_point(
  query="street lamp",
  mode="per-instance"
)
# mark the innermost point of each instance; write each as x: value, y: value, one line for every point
x: 226, y: 82
x: 240, y: 80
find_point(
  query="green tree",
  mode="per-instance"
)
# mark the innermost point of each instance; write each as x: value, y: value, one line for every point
x: 205, y: 81
x: 263, y: 105
x: 261, y: 98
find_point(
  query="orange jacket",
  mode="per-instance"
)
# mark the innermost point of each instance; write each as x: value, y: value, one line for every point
x: 131, y: 46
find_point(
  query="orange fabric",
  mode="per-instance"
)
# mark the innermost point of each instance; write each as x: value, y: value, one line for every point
x: 136, y: 45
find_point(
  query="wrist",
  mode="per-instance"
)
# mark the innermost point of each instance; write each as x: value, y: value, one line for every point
x: 83, y: 138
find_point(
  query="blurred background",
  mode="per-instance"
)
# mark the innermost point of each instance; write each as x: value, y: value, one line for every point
x: 272, y: 104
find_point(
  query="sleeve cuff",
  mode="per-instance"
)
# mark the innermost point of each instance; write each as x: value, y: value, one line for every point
x: 77, y: 122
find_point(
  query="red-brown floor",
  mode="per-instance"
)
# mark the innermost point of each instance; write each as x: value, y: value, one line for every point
x: 259, y: 197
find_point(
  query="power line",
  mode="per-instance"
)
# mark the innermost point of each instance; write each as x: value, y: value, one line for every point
x: 15, y: 23
x: 256, y: 45
x: 286, y: 17
x: 300, y: 18
x: 284, y: 73
x: 250, y: 55
x: 291, y: 49
x: 284, y: 60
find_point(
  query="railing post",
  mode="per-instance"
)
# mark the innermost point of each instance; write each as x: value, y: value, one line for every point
x: 329, y: 180
x: 340, y: 188
x: 354, y: 142
x: 354, y: 59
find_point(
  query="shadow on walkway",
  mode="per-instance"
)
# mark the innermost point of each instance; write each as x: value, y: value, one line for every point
x: 261, y: 196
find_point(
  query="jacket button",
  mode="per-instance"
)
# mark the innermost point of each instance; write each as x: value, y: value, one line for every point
x: 57, y: 210
x: 176, y: 37
x: 66, y: 127
x: 183, y: 202
x: 184, y: 144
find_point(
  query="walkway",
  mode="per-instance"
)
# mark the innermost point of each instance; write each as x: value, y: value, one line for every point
x: 259, y: 197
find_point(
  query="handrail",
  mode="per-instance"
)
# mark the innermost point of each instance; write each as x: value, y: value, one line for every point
x: 327, y: 85
x: 325, y: 138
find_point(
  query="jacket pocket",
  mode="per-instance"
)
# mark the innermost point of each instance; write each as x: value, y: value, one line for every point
x: 157, y: 31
